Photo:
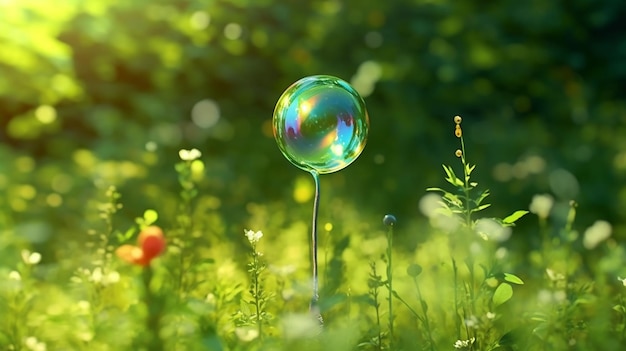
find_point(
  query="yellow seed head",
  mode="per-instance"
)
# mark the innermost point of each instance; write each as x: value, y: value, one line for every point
x: 457, y: 119
x: 458, y: 153
x: 458, y: 131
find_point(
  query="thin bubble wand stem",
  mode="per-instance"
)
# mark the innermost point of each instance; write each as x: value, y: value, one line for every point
x: 313, y: 308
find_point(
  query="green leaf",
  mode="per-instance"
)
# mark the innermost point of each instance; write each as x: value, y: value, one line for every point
x: 449, y: 172
x: 124, y: 237
x: 482, y: 196
x: 451, y: 176
x: 150, y: 216
x: 469, y: 169
x: 245, y: 309
x: 480, y: 208
x: 619, y: 308
x: 424, y: 306
x: 514, y: 217
x: 512, y: 278
x: 503, y: 293
x: 452, y: 199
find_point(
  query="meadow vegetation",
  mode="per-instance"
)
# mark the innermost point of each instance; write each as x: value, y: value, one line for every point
x: 144, y: 204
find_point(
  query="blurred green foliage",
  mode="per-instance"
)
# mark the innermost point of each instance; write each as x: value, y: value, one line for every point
x: 98, y: 93
x: 95, y: 94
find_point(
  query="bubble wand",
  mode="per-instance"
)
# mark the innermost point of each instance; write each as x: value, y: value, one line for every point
x: 320, y: 124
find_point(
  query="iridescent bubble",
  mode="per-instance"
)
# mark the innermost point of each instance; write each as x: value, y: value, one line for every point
x: 320, y: 124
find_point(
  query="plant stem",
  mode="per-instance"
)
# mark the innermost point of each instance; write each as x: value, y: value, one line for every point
x: 153, y: 320
x: 424, y: 310
x: 257, y: 299
x: 390, y: 282
x: 466, y: 187
x: 456, y: 300
x: 374, y: 292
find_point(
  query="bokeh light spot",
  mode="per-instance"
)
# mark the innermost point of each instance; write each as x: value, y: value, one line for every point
x: 563, y: 184
x: 166, y: 134
x: 379, y: 159
x: 151, y: 146
x: 597, y: 233
x: 259, y: 38
x: 24, y: 164
x: 26, y: 191
x: 233, y: 31
x: 54, y: 200
x: 429, y: 204
x: 61, y: 183
x: 368, y: 73
x: 200, y: 20
x: 373, y: 39
x: 503, y: 172
x: 303, y: 189
x: 46, y: 114
x: 84, y: 158
x: 205, y: 113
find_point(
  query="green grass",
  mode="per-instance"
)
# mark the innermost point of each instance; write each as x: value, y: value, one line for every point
x: 463, y: 286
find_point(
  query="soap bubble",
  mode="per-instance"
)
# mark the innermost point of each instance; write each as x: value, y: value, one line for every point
x: 320, y: 124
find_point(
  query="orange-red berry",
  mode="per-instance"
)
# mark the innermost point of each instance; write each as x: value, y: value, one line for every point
x: 151, y: 243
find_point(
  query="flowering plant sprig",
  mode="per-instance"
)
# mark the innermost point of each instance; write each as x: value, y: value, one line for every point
x: 463, y: 203
x: 244, y: 317
x: 189, y: 169
x: 16, y: 300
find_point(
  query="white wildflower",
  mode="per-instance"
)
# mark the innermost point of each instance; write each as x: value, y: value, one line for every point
x: 623, y: 280
x: 15, y: 275
x: 541, y: 205
x: 211, y: 299
x: 471, y: 322
x: 460, y: 344
x: 253, y: 237
x: 554, y: 276
x: 597, y: 233
x: 111, y: 278
x: 31, y: 258
x: 96, y: 275
x: 189, y: 155
x: 490, y: 315
x: 247, y: 333
x: 33, y: 344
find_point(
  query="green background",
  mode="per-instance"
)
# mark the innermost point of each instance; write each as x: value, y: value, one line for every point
x: 94, y: 93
